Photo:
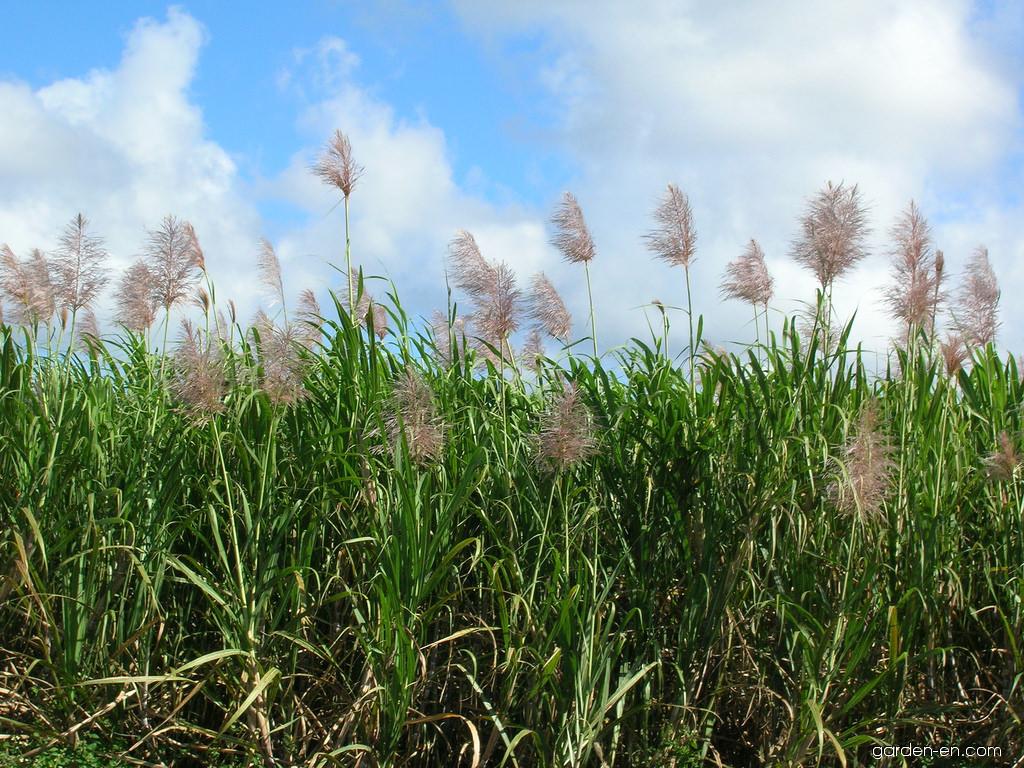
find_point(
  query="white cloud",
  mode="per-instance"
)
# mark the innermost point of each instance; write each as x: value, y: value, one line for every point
x: 128, y: 145
x: 406, y: 206
x: 751, y: 107
x: 125, y: 146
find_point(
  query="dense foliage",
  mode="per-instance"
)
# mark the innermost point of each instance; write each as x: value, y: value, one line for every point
x: 782, y: 560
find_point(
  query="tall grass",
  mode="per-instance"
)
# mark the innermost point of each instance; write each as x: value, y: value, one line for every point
x: 409, y: 560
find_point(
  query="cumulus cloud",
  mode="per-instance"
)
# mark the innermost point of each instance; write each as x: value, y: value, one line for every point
x: 748, y: 108
x: 125, y: 146
x: 406, y: 206
x: 128, y: 145
x: 751, y: 107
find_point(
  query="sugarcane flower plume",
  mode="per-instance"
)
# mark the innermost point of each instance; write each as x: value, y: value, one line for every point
x: 532, y: 353
x: 1001, y: 465
x: 78, y: 266
x: 378, y: 315
x: 954, y: 353
x: 866, y: 469
x: 914, y: 292
x: 471, y: 272
x: 413, y: 418
x: 674, y: 239
x: 309, y: 319
x: 976, y: 315
x: 202, y: 300
x: 747, y: 278
x: 269, y: 267
x: 197, y: 250
x: 136, y: 308
x: 27, y: 285
x: 172, y: 256
x: 547, y: 309
x: 833, y: 232
x: 282, y: 362
x: 199, y: 380
x: 14, y: 283
x: 87, y: 333
x: 566, y: 435
x: 44, y: 300
x: 497, y: 300
x: 572, y: 237
x: 498, y: 318
x: 336, y: 166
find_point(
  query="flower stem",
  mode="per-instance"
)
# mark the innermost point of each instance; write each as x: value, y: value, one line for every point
x: 348, y: 264
x: 590, y: 297
x: 689, y: 313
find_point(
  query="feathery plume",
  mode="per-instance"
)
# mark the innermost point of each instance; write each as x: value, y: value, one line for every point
x: 566, y: 434
x: 913, y: 294
x: 547, y: 309
x: 675, y: 238
x: 533, y: 350
x: 471, y: 271
x: 44, y: 302
x: 88, y: 332
x: 15, y: 284
x: 868, y: 462
x: 336, y: 167
x: 270, y: 271
x: 414, y: 418
x: 199, y: 377
x: 833, y: 233
x: 261, y: 323
x: 379, y: 315
x: 202, y: 300
x: 492, y: 287
x: 747, y: 278
x: 1001, y: 464
x: 308, y: 305
x: 498, y: 318
x: 172, y: 258
x: 572, y: 237
x: 954, y: 353
x: 447, y: 351
x: 78, y: 266
x: 674, y: 241
x: 27, y: 285
x: 284, y: 368
x: 309, y: 316
x: 977, y: 313
x: 197, y: 249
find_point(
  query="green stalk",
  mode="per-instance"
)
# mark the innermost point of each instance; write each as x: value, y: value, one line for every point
x: 348, y: 264
x: 689, y: 314
x: 590, y: 298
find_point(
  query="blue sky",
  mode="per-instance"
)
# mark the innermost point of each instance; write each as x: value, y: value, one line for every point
x: 479, y: 114
x: 417, y: 57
